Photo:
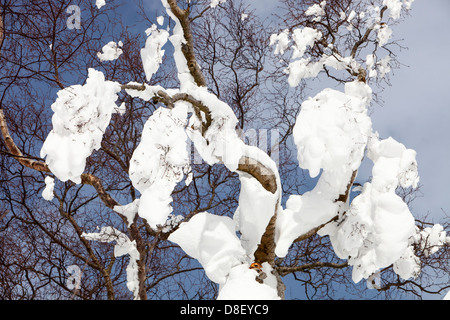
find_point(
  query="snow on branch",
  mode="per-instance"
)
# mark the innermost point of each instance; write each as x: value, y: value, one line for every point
x: 160, y: 161
x: 110, y: 51
x: 81, y: 115
x: 122, y: 247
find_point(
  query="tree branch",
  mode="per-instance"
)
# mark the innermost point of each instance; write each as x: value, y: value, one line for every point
x: 188, y: 47
x: 283, y: 271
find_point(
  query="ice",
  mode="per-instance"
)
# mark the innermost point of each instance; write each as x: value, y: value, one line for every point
x: 110, y: 51
x: 81, y: 115
x: 212, y: 240
x: 152, y: 54
x: 47, y: 194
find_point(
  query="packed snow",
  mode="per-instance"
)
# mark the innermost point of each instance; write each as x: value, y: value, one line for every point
x: 316, y: 10
x: 100, y: 3
x: 129, y: 210
x: 160, y: 161
x: 241, y: 285
x: 110, y: 51
x: 152, y: 54
x: 212, y: 240
x: 122, y: 247
x: 47, y: 194
x: 81, y: 115
x: 215, y: 3
x: 331, y: 132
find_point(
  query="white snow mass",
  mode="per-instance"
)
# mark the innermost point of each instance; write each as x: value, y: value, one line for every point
x: 81, y: 115
x: 110, y: 51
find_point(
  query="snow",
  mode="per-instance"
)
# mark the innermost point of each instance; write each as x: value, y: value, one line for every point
x: 316, y: 10
x: 212, y: 240
x: 215, y: 3
x: 256, y: 208
x: 331, y: 133
x: 122, y: 247
x: 220, y: 143
x: 384, y: 34
x: 47, y: 194
x: 370, y: 62
x: 100, y: 3
x: 81, y: 115
x: 429, y: 240
x: 302, y: 213
x: 395, y: 7
x: 152, y: 54
x: 331, y: 130
x: 177, y: 40
x: 383, y: 66
x: 129, y: 211
x: 351, y: 16
x: 376, y: 229
x: 110, y: 51
x: 159, y: 162
x: 303, y: 38
x: 447, y: 296
x: 408, y: 265
x: 374, y: 233
x: 281, y: 41
x: 241, y: 285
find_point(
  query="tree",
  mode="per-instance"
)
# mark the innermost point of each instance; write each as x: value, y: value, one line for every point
x: 221, y: 219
